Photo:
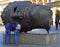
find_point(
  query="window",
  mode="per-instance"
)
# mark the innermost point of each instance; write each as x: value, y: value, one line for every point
x: 49, y: 0
x: 39, y: 1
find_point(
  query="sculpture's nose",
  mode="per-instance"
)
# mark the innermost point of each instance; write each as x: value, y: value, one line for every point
x: 15, y: 14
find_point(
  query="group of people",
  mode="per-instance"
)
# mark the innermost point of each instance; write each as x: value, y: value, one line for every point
x: 15, y: 26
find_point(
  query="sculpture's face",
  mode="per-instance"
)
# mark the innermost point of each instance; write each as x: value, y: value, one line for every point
x: 17, y: 13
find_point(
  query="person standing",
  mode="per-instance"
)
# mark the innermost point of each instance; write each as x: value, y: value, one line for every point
x: 16, y: 28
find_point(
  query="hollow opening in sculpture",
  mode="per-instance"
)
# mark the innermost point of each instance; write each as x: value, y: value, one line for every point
x: 15, y: 9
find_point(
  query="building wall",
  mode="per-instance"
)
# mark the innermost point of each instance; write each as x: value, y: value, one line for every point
x: 39, y: 1
x: 3, y: 4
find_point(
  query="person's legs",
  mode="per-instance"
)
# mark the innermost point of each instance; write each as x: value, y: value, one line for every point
x: 7, y: 37
x: 16, y: 32
x: 56, y: 25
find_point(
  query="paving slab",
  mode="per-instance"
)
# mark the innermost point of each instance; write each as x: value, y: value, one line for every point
x: 22, y: 45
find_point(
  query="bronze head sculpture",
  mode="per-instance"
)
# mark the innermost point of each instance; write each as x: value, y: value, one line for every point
x: 29, y: 15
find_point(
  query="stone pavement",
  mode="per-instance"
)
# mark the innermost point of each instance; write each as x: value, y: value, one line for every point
x: 22, y: 45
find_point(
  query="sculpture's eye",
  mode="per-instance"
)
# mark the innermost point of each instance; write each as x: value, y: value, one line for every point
x: 15, y: 9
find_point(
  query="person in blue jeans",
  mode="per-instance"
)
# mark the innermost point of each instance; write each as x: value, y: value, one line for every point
x: 8, y: 33
x: 16, y: 32
x: 9, y: 26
